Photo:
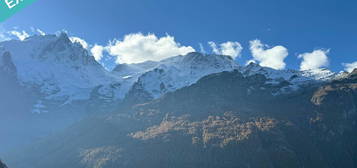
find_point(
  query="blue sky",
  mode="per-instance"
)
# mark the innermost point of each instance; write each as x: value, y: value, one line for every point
x: 299, y: 25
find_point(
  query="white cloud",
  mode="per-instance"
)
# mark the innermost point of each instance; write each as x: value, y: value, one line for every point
x: 268, y: 57
x: 80, y: 41
x: 314, y: 60
x: 21, y: 35
x: 136, y: 48
x: 230, y: 48
x: 97, y: 52
x: 349, y: 67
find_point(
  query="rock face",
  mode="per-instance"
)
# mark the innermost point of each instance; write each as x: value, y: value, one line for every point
x: 7, y: 67
x: 224, y: 120
x: 42, y: 75
x: 12, y: 94
x: 62, y: 70
x: 2, y: 165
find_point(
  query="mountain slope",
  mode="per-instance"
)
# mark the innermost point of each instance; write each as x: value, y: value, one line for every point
x: 61, y: 69
x: 154, y: 79
x: 195, y: 110
x: 177, y: 72
x: 224, y: 120
x: 43, y: 83
x: 52, y: 82
x: 294, y: 77
x: 64, y: 72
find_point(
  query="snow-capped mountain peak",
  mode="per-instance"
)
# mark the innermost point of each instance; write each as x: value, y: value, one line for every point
x: 180, y: 71
x: 294, y: 77
x: 62, y: 70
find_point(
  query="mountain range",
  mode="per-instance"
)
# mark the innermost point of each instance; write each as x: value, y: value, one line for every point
x: 194, y: 110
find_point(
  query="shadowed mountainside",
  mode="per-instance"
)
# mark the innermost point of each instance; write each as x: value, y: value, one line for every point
x: 2, y: 165
x: 224, y: 120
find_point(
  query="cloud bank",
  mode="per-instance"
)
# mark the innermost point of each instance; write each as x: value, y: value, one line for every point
x: 97, y: 52
x: 268, y: 57
x: 314, y: 60
x: 229, y: 48
x: 349, y: 67
x: 136, y: 48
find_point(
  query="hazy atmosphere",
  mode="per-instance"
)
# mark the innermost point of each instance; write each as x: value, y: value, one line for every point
x: 172, y: 84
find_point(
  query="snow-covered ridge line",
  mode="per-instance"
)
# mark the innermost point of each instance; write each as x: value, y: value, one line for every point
x: 65, y: 71
x: 293, y: 76
x: 180, y: 71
